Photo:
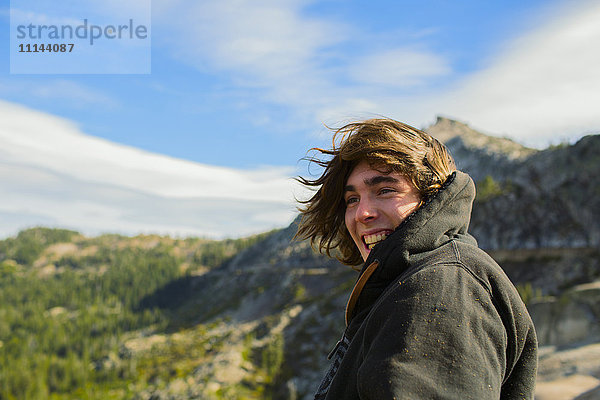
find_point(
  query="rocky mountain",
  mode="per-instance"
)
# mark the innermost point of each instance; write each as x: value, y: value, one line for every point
x: 478, y: 154
x: 255, y: 319
x: 528, y: 198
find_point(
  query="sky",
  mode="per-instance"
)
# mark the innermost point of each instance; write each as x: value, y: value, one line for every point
x: 207, y: 139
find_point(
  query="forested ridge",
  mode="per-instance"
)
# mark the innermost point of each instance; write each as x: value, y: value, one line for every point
x: 68, y: 303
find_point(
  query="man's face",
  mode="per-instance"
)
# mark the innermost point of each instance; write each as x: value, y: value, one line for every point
x: 376, y: 203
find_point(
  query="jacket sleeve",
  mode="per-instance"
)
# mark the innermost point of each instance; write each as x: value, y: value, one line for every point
x: 435, y: 335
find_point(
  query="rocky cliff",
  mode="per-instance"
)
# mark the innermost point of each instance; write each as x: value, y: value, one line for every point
x: 528, y: 198
x: 478, y: 154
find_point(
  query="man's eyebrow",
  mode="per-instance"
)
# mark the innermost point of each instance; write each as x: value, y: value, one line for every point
x: 380, y: 179
x: 373, y: 181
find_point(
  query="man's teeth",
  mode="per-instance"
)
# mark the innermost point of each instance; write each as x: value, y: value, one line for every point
x: 372, y: 240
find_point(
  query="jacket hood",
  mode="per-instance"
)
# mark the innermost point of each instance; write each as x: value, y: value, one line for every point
x: 444, y: 216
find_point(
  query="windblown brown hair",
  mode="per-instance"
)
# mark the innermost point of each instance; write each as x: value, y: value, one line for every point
x: 387, y: 145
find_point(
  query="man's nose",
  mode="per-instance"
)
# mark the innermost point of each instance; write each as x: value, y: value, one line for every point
x: 366, y: 210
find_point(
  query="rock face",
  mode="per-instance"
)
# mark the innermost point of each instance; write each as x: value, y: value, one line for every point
x: 573, y: 317
x: 541, y: 199
x: 478, y: 154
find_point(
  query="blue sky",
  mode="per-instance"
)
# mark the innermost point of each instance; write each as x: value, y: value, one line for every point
x: 247, y: 86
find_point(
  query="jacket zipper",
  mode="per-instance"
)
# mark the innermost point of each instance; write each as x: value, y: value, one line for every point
x: 332, y: 352
x: 337, y: 345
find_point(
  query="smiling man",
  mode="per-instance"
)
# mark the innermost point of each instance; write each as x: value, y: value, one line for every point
x: 431, y: 316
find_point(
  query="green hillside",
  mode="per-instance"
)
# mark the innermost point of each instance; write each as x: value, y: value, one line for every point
x: 75, y: 312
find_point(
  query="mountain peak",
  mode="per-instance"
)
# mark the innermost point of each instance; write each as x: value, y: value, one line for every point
x: 449, y: 130
x: 445, y: 129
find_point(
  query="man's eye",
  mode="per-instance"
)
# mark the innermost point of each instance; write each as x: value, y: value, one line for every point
x: 386, y: 190
x: 351, y: 200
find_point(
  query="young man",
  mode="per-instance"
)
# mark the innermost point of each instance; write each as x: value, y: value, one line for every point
x: 431, y: 315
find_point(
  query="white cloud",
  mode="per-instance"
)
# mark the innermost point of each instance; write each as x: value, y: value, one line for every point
x: 544, y: 86
x: 399, y: 67
x: 266, y: 45
x: 306, y: 62
x: 53, y: 173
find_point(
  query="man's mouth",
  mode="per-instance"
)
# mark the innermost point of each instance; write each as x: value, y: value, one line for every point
x: 372, y: 240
